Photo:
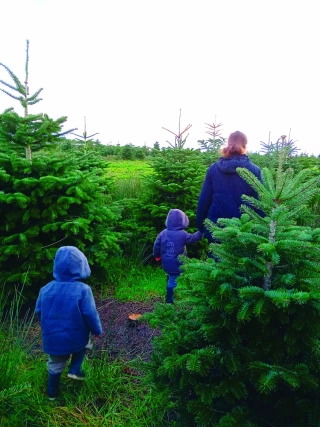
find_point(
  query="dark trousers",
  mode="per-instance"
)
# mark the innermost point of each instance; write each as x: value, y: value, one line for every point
x: 56, y: 365
x: 172, y: 283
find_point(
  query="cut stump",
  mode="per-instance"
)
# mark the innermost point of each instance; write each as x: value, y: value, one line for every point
x: 133, y: 319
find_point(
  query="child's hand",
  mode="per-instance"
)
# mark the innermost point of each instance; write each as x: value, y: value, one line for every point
x: 158, y: 258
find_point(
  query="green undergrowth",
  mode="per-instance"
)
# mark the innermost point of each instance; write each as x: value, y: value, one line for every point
x: 115, y: 392
x: 128, y: 178
x: 110, y: 396
x: 123, y: 169
x: 141, y: 284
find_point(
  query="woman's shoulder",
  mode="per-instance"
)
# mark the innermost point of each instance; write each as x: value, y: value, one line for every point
x: 214, y: 165
x: 253, y: 167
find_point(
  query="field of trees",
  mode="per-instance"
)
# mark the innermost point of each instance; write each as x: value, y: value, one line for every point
x: 240, y: 347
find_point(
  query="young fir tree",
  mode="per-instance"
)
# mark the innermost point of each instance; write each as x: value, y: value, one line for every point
x: 47, y: 198
x: 175, y: 183
x: 51, y: 202
x: 33, y: 131
x: 242, y: 347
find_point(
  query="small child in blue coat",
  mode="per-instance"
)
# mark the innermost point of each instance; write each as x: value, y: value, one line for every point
x: 67, y: 313
x: 171, y: 243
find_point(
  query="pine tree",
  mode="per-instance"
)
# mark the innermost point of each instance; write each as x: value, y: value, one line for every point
x: 30, y: 131
x: 85, y: 140
x: 242, y: 347
x: 175, y: 183
x: 49, y: 199
x: 216, y: 140
x: 51, y: 202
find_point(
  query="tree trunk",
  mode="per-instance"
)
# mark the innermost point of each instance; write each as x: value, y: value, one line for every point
x: 28, y: 153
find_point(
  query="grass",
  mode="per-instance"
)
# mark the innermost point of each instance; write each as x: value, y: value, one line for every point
x: 142, y: 285
x: 112, y: 394
x: 128, y: 188
x: 109, y: 397
x: 128, y: 177
x: 124, y: 169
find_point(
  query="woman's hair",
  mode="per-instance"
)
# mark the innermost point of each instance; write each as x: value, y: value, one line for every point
x: 237, y: 143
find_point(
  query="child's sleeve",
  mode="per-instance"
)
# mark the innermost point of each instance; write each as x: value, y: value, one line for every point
x: 90, y: 314
x: 157, y: 247
x: 193, y: 238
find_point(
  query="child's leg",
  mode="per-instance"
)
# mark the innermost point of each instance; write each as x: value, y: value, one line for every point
x: 172, y: 283
x: 75, y: 365
x: 55, y: 364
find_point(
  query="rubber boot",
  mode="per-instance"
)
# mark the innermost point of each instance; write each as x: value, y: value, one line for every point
x: 169, y: 296
x: 53, y: 385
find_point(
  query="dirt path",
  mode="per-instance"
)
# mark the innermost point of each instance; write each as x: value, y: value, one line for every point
x: 119, y: 338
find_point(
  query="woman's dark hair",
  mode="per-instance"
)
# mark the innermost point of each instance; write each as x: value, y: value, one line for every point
x: 237, y: 143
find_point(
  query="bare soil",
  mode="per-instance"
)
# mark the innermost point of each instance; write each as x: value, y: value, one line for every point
x: 121, y: 337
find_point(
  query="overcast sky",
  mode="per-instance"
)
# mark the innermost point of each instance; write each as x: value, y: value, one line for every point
x: 129, y: 66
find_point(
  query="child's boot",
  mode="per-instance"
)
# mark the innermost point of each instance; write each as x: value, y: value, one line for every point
x: 53, y: 386
x: 169, y: 296
x: 75, y: 371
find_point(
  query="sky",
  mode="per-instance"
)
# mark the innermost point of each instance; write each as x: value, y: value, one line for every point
x: 129, y: 67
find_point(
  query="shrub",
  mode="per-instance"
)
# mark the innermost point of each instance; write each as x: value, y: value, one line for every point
x: 242, y: 348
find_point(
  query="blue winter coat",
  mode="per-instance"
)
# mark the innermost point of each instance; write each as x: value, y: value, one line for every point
x: 222, y: 190
x: 172, y: 241
x: 66, y: 307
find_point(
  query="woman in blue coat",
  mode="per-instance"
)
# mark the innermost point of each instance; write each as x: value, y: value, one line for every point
x: 223, y: 188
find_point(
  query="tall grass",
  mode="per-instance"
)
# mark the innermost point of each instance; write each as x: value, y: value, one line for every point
x: 110, y: 396
x: 14, y: 329
x: 142, y: 285
x: 114, y: 393
x: 128, y: 188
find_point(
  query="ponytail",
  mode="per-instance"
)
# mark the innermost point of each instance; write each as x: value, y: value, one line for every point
x: 237, y: 143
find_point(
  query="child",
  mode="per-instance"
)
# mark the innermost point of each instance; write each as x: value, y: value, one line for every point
x: 170, y: 243
x: 67, y: 313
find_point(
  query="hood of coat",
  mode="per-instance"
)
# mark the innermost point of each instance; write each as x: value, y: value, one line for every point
x: 177, y: 220
x: 70, y: 265
x: 230, y: 164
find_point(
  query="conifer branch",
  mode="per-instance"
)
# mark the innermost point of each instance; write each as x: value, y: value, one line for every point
x: 90, y: 136
x: 267, y: 278
x: 19, y: 86
x: 52, y: 244
x: 12, y: 96
x: 179, y: 142
x: 9, y: 86
x: 34, y: 102
x: 34, y: 96
x: 66, y: 132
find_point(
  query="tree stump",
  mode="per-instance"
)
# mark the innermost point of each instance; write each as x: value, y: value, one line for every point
x: 133, y: 319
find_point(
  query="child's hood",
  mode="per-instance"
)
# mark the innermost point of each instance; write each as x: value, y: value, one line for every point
x: 177, y: 220
x: 70, y: 265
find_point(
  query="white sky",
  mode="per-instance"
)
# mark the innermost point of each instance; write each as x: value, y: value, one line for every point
x: 129, y: 66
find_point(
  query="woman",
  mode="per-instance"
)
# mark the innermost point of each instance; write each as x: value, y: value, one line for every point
x: 223, y: 188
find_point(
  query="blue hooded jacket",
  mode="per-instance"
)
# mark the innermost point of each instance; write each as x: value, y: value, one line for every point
x: 222, y: 190
x: 172, y: 241
x: 66, y: 307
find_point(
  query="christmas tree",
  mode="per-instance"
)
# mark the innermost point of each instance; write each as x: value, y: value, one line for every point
x: 242, y: 347
x: 48, y: 199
